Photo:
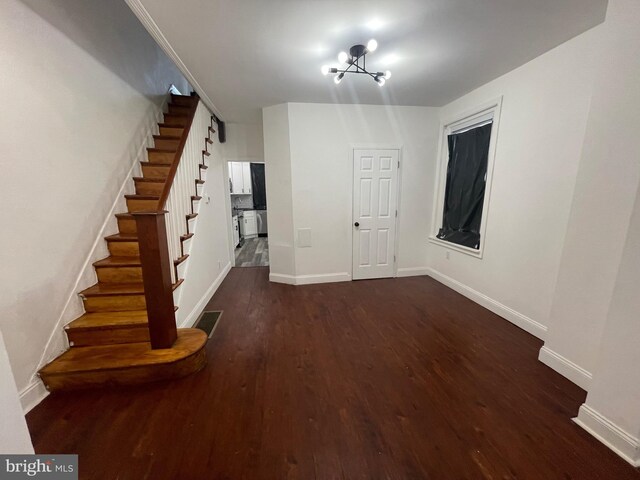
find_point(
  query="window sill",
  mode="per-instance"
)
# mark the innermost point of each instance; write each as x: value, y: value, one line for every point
x: 458, y: 248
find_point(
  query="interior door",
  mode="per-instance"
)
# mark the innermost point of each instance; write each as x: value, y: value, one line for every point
x: 375, y: 191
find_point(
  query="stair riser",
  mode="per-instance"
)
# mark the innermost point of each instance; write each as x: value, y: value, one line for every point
x: 125, y: 376
x: 135, y: 205
x: 153, y: 171
x: 124, y: 249
x: 114, y: 303
x: 119, y: 274
x: 175, y: 120
x: 169, y: 144
x: 181, y: 100
x: 108, y: 336
x: 127, y: 225
x: 149, y: 188
x: 171, y: 131
x: 179, y: 109
x: 160, y: 157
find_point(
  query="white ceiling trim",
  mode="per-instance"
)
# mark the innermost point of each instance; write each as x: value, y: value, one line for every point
x: 153, y: 29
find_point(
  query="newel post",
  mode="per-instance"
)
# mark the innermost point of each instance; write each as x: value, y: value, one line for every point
x: 156, y: 276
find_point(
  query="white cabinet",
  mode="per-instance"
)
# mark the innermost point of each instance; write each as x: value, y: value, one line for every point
x: 236, y: 231
x: 240, y: 176
x: 235, y: 173
x: 246, y: 176
x: 249, y: 224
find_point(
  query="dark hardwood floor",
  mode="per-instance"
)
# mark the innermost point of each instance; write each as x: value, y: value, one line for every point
x: 383, y: 379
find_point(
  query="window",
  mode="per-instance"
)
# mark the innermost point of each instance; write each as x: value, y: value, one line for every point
x: 464, y: 179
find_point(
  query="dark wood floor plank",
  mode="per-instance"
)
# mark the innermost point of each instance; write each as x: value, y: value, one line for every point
x: 380, y: 379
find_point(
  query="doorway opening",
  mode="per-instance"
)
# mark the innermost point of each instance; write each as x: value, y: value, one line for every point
x: 247, y: 189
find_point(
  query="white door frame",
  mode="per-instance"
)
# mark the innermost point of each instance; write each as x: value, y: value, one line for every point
x: 227, y: 171
x: 377, y: 146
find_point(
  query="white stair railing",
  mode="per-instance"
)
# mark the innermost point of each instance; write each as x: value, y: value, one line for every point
x: 181, y: 202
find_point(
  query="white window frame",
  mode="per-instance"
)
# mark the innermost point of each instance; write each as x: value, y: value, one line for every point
x: 489, y: 111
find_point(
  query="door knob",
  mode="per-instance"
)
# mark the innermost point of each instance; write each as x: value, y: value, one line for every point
x: 357, y: 224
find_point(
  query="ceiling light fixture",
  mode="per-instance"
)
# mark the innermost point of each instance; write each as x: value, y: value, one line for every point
x: 356, y: 59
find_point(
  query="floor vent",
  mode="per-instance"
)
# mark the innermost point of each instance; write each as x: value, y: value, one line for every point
x: 208, y: 322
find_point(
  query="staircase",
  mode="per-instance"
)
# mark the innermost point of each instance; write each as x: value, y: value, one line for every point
x: 128, y: 334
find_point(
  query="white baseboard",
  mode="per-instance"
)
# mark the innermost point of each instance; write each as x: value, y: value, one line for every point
x: 412, y: 271
x: 517, y: 318
x: 33, y: 395
x: 565, y: 367
x: 190, y: 319
x: 282, y: 278
x: 614, y: 437
x: 309, y: 279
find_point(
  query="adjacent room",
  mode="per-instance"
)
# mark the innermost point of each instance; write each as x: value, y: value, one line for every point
x: 248, y: 192
x: 320, y: 240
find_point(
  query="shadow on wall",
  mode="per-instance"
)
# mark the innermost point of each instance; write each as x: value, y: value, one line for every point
x: 105, y: 30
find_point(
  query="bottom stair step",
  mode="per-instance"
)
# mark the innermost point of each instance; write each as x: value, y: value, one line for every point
x: 106, y: 328
x: 126, y: 364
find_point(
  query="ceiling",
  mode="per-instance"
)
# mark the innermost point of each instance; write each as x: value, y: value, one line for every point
x: 248, y: 54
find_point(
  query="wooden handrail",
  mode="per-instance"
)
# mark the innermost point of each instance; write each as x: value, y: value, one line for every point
x: 176, y: 159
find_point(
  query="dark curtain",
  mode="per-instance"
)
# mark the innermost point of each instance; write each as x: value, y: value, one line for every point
x: 464, y: 192
x: 258, y: 187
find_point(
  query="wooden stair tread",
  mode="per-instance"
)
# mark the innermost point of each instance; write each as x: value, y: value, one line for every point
x: 204, y: 152
x: 107, y: 320
x: 167, y: 137
x: 142, y: 197
x: 118, y: 262
x: 204, y: 167
x: 186, y: 236
x: 157, y: 164
x: 191, y: 216
x: 181, y: 259
x: 162, y: 150
x: 149, y: 180
x: 177, y: 284
x: 196, y: 197
x: 209, y: 141
x: 126, y: 355
x: 103, y: 289
x: 212, y: 130
x: 122, y: 237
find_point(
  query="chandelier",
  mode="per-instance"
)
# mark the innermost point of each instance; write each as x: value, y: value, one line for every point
x: 356, y: 60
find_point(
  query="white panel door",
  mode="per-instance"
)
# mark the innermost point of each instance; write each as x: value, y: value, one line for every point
x: 375, y: 181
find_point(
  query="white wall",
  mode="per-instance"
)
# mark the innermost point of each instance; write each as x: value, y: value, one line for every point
x: 545, y: 104
x: 83, y: 82
x: 595, y: 328
x: 612, y: 408
x: 279, y: 198
x: 14, y: 436
x: 603, y: 200
x: 209, y: 260
x: 321, y: 137
x: 244, y: 142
